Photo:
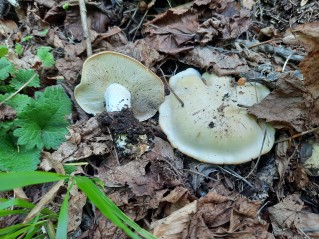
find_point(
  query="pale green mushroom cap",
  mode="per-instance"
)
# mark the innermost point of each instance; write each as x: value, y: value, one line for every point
x: 211, y: 127
x: 102, y: 69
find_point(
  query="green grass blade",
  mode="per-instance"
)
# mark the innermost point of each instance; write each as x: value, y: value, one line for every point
x: 11, y: 229
x: 62, y: 229
x: 5, y: 203
x: 20, y: 179
x: 34, y: 228
x: 109, y: 209
x: 4, y: 213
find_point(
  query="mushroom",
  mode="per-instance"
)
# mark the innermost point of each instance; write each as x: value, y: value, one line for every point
x: 212, y: 125
x: 111, y: 81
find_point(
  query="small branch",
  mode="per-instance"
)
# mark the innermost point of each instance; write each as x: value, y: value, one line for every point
x: 85, y: 27
x: 297, y: 135
x: 171, y: 90
x: 261, y: 149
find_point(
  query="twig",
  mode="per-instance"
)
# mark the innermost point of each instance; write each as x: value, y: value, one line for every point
x: 297, y: 135
x: 264, y: 42
x: 231, y: 172
x: 261, y: 149
x: 171, y: 31
x: 170, y: 89
x: 139, y: 25
x: 201, y: 174
x: 85, y: 27
x: 21, y: 88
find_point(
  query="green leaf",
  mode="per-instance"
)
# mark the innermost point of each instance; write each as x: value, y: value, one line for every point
x: 43, y: 122
x: 17, y: 202
x: 18, y: 102
x: 109, y: 209
x: 26, y: 38
x: 3, y: 50
x: 66, y: 6
x: 18, y: 48
x: 46, y: 57
x: 44, y: 32
x: 4, y: 213
x: 5, y: 68
x: 22, y: 76
x: 22, y: 179
x: 14, y: 158
x: 62, y: 229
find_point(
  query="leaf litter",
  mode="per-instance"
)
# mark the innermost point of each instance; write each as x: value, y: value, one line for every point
x: 167, y: 192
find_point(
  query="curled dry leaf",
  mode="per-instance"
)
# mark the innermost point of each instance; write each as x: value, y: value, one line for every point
x: 70, y: 68
x: 75, y: 209
x: 169, y: 31
x: 173, y: 226
x: 84, y: 141
x: 288, y: 218
x: 285, y: 106
x: 308, y: 35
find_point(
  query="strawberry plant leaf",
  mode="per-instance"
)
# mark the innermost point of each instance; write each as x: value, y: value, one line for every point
x: 21, y: 76
x: 18, y: 102
x: 3, y: 51
x: 14, y: 158
x: 6, y: 68
x: 43, y: 122
x: 18, y: 49
x: 46, y: 57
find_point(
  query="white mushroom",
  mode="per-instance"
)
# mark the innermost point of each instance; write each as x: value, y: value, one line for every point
x: 115, y: 81
x: 213, y: 125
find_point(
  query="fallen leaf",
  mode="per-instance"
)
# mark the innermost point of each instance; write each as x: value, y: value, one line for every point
x: 170, y: 31
x: 210, y: 59
x: 287, y: 216
x: 221, y: 216
x: 173, y: 226
x: 308, y: 35
x: 76, y: 203
x: 285, y: 106
x: 70, y: 68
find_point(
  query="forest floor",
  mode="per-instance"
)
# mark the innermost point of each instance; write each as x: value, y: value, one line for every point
x: 168, y: 193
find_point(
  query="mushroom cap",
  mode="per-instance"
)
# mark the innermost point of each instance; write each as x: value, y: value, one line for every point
x: 211, y: 127
x: 102, y: 69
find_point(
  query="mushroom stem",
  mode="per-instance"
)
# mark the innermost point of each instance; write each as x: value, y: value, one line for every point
x: 117, y: 97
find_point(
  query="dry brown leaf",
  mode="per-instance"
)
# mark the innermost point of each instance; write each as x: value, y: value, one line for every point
x: 308, y: 35
x: 7, y: 113
x: 221, y: 63
x: 285, y: 106
x: 173, y: 226
x: 287, y: 216
x: 169, y: 31
x: 141, y: 52
x: 7, y: 27
x: 85, y: 140
x: 76, y: 203
x: 225, y: 20
x: 221, y: 216
x: 70, y: 68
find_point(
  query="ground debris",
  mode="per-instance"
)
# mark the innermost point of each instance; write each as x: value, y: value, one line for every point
x: 84, y: 141
x: 289, y: 219
x: 285, y: 106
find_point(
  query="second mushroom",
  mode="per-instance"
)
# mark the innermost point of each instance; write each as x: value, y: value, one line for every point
x: 211, y: 124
